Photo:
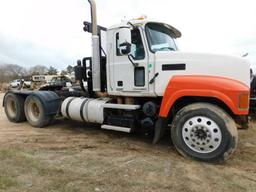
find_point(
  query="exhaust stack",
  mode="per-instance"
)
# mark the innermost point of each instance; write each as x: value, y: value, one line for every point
x: 96, y: 78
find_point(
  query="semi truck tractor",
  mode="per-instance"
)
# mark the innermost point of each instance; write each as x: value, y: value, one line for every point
x: 143, y: 81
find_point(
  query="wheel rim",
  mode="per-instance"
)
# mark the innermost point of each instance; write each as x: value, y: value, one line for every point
x: 11, y: 107
x: 33, y: 111
x: 201, y: 134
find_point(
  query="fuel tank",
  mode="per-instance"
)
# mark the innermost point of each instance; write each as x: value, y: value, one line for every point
x: 84, y: 109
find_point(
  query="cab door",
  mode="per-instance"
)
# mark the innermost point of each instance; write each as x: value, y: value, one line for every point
x: 130, y: 71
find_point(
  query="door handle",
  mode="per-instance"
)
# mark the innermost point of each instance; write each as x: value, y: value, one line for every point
x: 154, y: 78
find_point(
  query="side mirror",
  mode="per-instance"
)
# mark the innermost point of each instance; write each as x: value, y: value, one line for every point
x: 124, y: 41
x: 125, y: 48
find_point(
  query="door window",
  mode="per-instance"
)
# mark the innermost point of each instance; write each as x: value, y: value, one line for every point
x: 137, y: 48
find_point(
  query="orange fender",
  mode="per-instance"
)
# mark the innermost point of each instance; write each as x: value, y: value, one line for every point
x: 223, y: 89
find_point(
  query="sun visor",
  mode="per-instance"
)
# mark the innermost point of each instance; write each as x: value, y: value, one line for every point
x: 176, y: 32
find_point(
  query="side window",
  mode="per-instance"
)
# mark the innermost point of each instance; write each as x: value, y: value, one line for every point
x: 137, y: 48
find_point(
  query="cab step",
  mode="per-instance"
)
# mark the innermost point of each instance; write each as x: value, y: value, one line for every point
x: 116, y: 128
x: 121, y: 106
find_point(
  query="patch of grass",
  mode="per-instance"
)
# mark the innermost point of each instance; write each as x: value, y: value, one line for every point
x: 17, y: 161
x: 7, y: 181
x: 14, y: 159
x: 7, y: 154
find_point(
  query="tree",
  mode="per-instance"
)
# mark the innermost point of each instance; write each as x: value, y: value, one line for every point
x: 38, y: 70
x: 52, y: 71
x: 15, y: 70
x: 9, y: 72
x: 70, y: 69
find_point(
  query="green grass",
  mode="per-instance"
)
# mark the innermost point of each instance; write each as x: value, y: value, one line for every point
x: 7, y: 181
x: 15, y: 162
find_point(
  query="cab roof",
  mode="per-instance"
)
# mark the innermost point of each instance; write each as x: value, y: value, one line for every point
x: 142, y: 22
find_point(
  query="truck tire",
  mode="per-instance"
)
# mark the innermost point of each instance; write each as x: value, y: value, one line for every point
x: 204, y: 132
x: 14, y: 108
x: 35, y: 113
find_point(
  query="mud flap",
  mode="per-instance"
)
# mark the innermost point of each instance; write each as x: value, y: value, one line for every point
x: 160, y: 128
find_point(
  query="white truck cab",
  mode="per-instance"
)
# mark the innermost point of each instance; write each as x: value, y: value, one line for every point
x: 154, y: 59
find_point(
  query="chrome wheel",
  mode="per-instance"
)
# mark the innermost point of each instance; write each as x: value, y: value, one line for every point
x: 201, y: 134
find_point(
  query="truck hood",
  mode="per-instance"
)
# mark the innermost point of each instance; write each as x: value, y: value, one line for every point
x: 199, y: 64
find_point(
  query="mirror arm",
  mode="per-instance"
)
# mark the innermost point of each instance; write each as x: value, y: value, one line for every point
x: 130, y: 56
x: 133, y: 26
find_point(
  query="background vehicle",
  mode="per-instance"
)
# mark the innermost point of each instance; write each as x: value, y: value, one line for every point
x: 43, y: 78
x: 17, y: 82
x: 57, y: 82
x: 142, y: 81
x: 64, y: 87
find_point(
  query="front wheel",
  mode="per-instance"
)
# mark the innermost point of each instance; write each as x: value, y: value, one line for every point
x: 204, y: 132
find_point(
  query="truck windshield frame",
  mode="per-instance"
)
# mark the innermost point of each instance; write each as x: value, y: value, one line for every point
x: 160, y: 37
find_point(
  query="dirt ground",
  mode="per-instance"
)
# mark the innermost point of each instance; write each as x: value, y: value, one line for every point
x: 72, y: 157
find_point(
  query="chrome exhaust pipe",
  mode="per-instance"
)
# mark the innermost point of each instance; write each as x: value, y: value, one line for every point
x: 96, y: 80
x: 93, y: 17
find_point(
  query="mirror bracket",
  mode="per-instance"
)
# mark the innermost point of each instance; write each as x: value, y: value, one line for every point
x: 130, y: 57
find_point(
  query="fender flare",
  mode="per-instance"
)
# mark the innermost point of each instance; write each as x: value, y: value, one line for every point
x: 170, y: 100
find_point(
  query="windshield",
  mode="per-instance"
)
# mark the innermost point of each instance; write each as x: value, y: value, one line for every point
x: 160, y: 37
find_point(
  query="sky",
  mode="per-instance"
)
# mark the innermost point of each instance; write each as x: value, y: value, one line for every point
x: 50, y: 32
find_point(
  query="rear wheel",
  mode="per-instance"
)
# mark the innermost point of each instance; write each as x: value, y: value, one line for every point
x: 14, y: 107
x: 204, y: 132
x: 35, y: 113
